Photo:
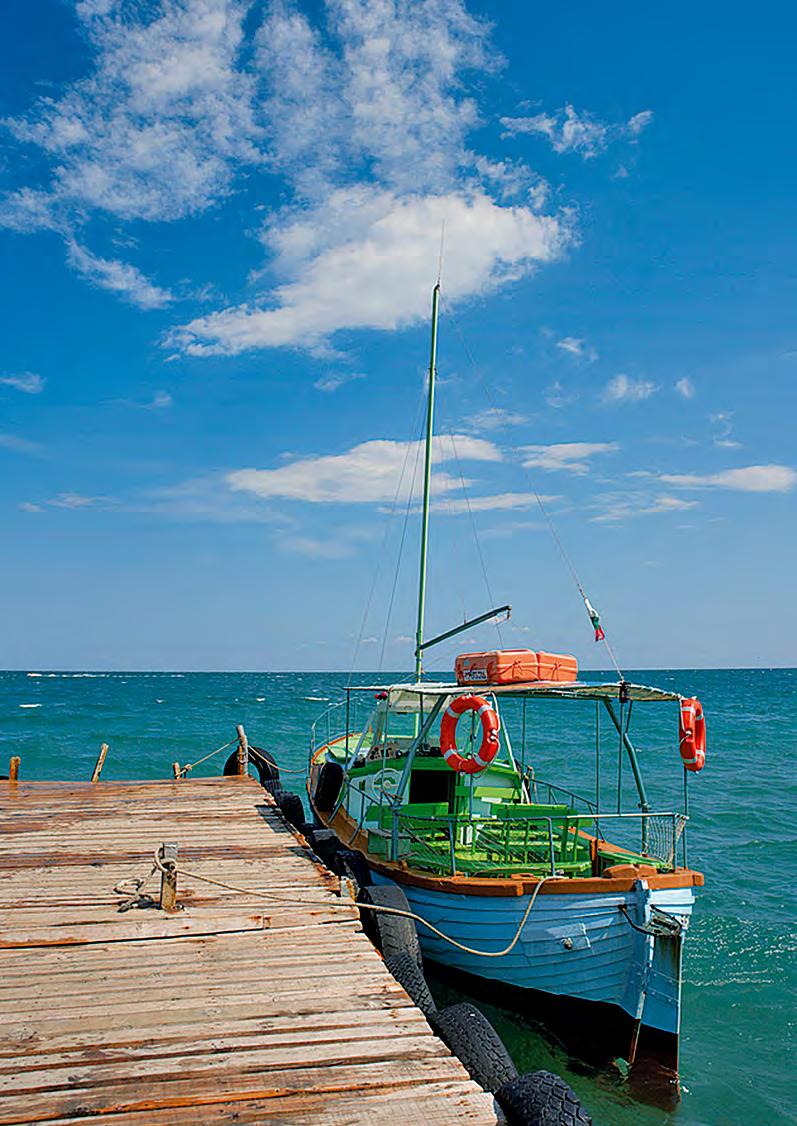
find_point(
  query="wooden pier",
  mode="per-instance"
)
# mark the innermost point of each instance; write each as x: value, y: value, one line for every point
x: 235, y: 1008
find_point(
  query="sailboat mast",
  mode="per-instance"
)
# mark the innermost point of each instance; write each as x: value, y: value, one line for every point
x: 427, y: 480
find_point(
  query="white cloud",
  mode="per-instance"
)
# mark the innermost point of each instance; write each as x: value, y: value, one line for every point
x: 618, y: 507
x: 160, y: 401
x: 496, y: 418
x: 154, y: 129
x: 18, y: 445
x: 623, y: 389
x: 335, y: 380
x: 315, y: 548
x: 747, y: 479
x: 27, y: 381
x: 557, y: 396
x: 371, y: 472
x: 569, y: 130
x: 365, y: 260
x: 499, y: 502
x: 723, y: 428
x: 577, y: 347
x: 571, y: 456
x: 74, y: 501
x: 28, y: 506
x: 639, y: 122
x: 118, y: 277
x: 685, y: 388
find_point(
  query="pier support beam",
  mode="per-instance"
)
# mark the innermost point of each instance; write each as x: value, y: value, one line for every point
x: 98, y: 765
x: 13, y: 769
x: 243, y: 751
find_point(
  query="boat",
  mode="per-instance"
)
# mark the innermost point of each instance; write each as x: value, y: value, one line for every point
x: 562, y: 904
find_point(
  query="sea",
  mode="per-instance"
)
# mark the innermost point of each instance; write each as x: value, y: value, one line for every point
x: 738, y: 1058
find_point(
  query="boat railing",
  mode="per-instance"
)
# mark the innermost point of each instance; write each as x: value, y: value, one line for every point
x: 539, y: 785
x: 323, y: 723
x: 549, y: 845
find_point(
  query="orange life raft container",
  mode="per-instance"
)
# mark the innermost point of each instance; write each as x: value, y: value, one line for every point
x: 514, y: 666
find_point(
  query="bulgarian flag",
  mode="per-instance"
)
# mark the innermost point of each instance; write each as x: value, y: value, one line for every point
x: 595, y: 618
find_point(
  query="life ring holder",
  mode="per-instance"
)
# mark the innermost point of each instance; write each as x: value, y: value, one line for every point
x: 692, y: 734
x: 448, y: 734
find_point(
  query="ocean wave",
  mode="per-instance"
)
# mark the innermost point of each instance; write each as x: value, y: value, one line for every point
x: 30, y: 705
x: 317, y: 699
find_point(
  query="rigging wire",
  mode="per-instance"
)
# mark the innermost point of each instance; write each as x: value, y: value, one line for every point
x: 397, y: 569
x: 546, y: 516
x: 388, y: 521
x: 473, y: 525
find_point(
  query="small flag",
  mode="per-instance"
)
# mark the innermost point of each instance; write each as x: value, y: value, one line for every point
x: 595, y: 618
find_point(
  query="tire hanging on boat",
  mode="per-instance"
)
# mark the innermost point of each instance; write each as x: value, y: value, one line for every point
x: 692, y: 734
x: 448, y: 735
x: 330, y: 780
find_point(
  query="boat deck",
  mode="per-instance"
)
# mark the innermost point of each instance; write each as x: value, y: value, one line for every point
x: 235, y: 1008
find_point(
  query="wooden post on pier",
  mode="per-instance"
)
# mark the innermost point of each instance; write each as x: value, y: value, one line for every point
x: 98, y: 765
x: 167, y: 854
x: 13, y: 769
x: 243, y: 751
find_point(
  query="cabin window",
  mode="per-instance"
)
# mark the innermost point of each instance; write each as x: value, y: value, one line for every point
x: 431, y: 786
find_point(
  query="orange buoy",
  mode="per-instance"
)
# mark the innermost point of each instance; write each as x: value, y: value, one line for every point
x: 692, y: 734
x: 448, y: 735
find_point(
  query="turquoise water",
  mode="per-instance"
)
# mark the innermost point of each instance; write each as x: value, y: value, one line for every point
x: 740, y: 979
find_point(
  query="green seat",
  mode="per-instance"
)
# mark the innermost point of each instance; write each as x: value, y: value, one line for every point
x: 527, y: 810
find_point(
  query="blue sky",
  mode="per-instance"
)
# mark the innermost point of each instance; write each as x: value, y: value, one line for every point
x: 219, y: 227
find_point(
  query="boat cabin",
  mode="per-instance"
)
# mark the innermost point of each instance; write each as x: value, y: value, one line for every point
x: 432, y: 781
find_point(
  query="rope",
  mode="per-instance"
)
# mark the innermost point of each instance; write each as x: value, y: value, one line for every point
x: 191, y: 765
x: 160, y: 866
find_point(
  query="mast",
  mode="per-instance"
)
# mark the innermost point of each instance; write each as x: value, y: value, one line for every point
x: 427, y: 479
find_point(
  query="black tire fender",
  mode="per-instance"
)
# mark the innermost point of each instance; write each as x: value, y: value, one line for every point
x: 330, y: 780
x: 391, y: 934
x: 264, y: 763
x: 470, y: 1036
x: 353, y: 865
x: 292, y: 809
x: 541, y: 1099
x: 325, y: 845
x: 409, y: 975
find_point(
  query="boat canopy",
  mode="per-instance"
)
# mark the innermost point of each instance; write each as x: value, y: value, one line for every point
x: 405, y: 697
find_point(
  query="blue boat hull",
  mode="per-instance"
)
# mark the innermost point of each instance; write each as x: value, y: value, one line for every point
x: 607, y: 949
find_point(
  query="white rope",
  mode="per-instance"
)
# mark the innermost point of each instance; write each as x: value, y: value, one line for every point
x: 273, y: 896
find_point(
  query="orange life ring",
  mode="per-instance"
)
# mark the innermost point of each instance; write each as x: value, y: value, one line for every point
x: 692, y: 734
x: 448, y: 735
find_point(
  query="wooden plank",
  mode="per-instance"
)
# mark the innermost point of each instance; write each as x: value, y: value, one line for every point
x: 435, y: 1103
x: 260, y: 1002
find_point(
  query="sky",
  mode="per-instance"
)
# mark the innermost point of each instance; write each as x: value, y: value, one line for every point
x: 220, y: 225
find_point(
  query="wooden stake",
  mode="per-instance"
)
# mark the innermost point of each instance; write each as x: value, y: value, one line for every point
x: 168, y: 858
x: 13, y: 769
x: 98, y: 765
x: 243, y: 751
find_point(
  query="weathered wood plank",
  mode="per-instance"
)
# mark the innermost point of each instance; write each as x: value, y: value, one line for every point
x: 261, y: 1004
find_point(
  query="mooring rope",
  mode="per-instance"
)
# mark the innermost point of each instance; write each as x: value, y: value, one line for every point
x: 273, y: 896
x: 190, y: 765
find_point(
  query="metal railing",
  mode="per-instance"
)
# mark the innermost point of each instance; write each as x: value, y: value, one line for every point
x: 547, y: 845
